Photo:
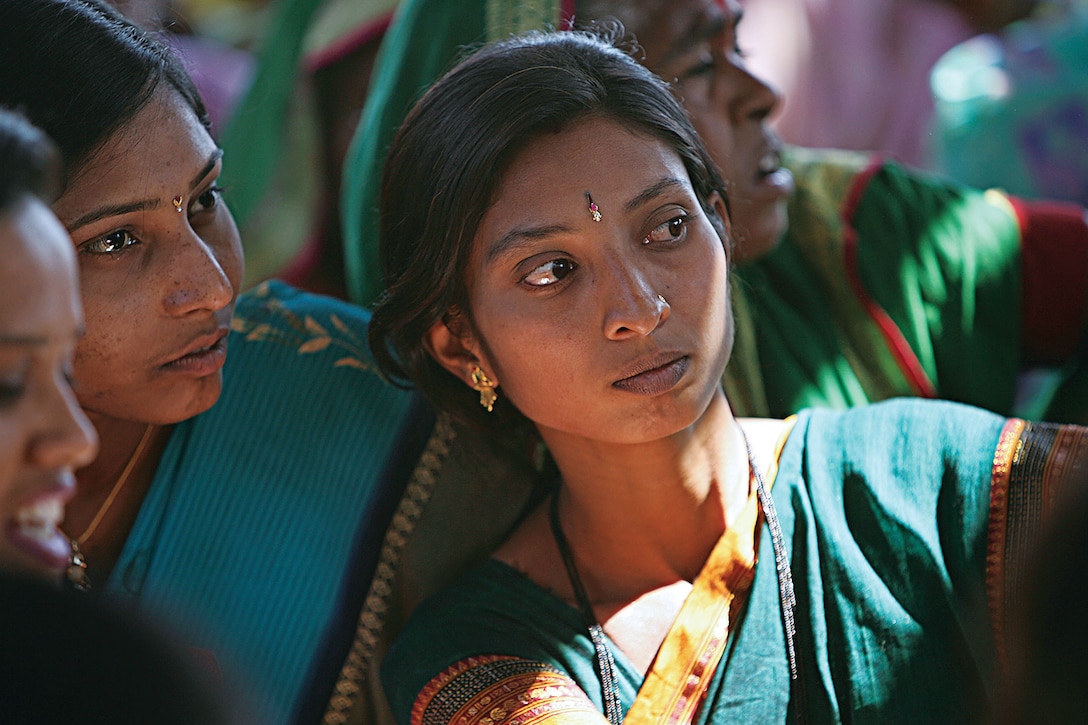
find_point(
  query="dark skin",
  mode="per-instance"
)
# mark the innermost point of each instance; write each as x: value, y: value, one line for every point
x: 159, y: 279
x: 653, y: 463
x: 341, y: 93
x: 693, y: 45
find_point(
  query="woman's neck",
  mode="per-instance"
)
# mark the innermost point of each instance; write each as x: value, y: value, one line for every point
x: 118, y: 440
x: 655, y: 508
x: 111, y: 490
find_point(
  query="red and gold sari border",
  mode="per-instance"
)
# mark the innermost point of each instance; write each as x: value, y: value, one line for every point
x: 1033, y: 464
x: 493, y: 689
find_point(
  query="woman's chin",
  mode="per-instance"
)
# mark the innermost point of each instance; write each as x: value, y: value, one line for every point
x: 758, y: 237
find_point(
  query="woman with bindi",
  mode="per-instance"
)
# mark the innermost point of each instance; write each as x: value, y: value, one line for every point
x: 247, y: 442
x: 44, y: 436
x: 681, y: 565
x: 881, y: 281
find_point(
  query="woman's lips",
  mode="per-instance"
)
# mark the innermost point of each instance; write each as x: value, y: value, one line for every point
x: 202, y: 359
x: 657, y: 380
x: 772, y: 180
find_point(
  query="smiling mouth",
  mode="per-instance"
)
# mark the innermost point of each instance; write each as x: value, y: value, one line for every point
x: 35, y: 529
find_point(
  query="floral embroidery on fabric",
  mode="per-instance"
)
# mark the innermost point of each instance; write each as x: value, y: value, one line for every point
x: 306, y: 334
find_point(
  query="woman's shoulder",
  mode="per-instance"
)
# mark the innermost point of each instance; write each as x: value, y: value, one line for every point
x: 293, y: 356
x: 281, y: 307
x: 912, y: 425
x: 277, y: 325
x: 483, y: 611
x: 882, y: 440
x: 476, y: 630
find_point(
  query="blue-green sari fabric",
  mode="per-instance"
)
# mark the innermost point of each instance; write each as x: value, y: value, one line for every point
x: 255, y: 538
x: 884, y: 509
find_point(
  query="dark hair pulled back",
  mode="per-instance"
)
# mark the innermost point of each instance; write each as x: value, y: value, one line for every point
x: 79, y: 71
x: 447, y: 161
x: 29, y: 162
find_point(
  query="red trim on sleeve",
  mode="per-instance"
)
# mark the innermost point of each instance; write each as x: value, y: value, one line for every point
x: 1054, y: 267
x: 908, y: 362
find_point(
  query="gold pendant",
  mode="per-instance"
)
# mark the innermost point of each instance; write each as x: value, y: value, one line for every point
x: 78, y: 578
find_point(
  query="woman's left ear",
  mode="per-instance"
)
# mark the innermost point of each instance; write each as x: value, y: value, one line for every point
x: 450, y: 348
x: 717, y: 203
x: 720, y: 220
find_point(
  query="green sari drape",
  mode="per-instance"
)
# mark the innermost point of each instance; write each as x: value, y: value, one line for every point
x: 907, y: 523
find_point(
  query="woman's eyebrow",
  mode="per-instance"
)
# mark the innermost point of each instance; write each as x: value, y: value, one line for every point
x: 212, y: 161
x: 652, y: 192
x: 704, y: 26
x: 143, y: 204
x: 521, y: 236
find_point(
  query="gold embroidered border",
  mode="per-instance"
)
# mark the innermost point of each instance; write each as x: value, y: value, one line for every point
x: 494, y: 689
x: 349, y: 684
x: 1007, y: 445
x: 1033, y: 464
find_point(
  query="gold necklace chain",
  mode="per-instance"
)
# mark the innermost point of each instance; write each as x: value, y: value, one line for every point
x: 77, y: 565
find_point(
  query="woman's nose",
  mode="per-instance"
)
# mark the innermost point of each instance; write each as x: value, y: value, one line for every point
x: 65, y: 439
x: 196, y: 279
x: 633, y: 307
x: 752, y: 99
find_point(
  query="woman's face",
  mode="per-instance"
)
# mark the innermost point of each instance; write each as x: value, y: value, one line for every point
x: 693, y: 45
x: 44, y: 435
x: 160, y: 264
x: 614, y: 330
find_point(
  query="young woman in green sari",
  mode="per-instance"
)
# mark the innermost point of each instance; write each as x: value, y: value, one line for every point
x: 556, y: 241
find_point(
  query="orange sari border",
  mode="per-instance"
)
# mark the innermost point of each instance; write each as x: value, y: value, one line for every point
x: 1033, y: 464
x: 677, y: 682
x: 687, y: 660
x: 499, y: 689
x: 1007, y: 445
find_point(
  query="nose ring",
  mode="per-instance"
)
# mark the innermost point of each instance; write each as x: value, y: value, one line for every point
x: 663, y: 300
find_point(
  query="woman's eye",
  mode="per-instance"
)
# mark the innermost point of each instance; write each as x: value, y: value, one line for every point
x: 671, y: 231
x: 549, y: 273
x: 112, y: 243
x: 207, y: 200
x: 704, y: 66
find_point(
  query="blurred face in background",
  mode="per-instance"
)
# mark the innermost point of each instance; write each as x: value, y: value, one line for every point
x: 44, y: 435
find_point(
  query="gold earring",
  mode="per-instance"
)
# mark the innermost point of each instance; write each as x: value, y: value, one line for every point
x: 485, y: 386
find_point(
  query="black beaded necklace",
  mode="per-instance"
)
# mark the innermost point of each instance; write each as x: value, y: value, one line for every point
x: 606, y: 663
